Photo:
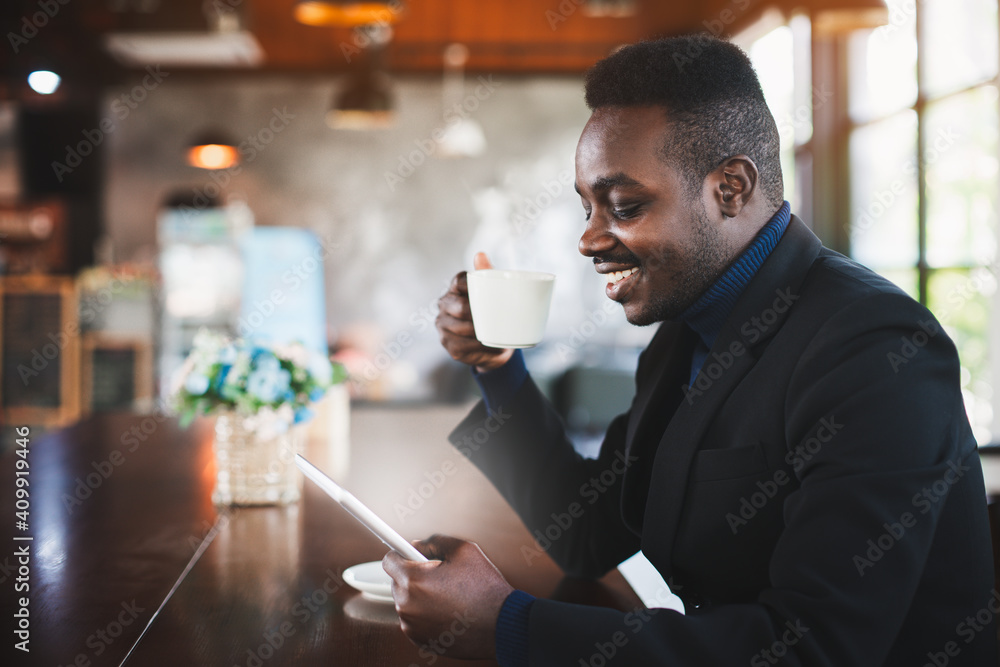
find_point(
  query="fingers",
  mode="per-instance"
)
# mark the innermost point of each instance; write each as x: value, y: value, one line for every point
x: 393, y: 564
x: 429, y: 595
x: 436, y: 547
x: 429, y: 548
x: 455, y: 327
x: 406, y: 573
x: 449, y: 325
x: 456, y: 305
x: 440, y: 545
x: 459, y: 284
x: 454, y: 323
x: 481, y: 261
x: 495, y: 359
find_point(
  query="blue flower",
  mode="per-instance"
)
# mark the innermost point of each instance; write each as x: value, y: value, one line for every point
x: 227, y: 355
x: 317, y: 394
x: 220, y: 377
x: 303, y: 414
x: 196, y: 384
x: 267, y: 384
x: 266, y: 361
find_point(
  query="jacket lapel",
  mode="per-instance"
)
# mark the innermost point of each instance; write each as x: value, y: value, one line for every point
x: 777, y: 281
x: 666, y: 353
x: 665, y: 368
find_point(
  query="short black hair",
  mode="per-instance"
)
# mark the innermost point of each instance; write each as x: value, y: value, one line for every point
x: 714, y: 102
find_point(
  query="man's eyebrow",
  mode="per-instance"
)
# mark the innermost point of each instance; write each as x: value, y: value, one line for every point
x: 605, y: 183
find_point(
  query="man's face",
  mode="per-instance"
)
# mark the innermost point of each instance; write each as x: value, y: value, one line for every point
x: 653, y: 239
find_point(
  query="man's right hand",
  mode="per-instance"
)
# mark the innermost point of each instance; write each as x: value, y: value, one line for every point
x: 454, y: 325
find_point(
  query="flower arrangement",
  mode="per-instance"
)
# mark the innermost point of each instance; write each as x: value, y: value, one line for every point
x: 274, y: 384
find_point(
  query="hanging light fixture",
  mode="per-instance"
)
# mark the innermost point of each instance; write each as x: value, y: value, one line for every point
x: 463, y: 136
x: 347, y: 13
x: 366, y: 102
x: 212, y: 150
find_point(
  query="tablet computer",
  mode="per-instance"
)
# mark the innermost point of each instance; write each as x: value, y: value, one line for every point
x: 359, y: 511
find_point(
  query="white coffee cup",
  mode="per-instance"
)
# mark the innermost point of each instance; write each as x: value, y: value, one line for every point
x: 509, y: 308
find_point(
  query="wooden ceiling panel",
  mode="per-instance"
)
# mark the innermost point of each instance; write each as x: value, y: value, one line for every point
x: 502, y: 35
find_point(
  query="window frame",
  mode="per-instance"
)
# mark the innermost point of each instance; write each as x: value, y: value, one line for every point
x: 829, y: 199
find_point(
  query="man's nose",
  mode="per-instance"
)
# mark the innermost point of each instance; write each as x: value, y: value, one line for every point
x: 597, y: 238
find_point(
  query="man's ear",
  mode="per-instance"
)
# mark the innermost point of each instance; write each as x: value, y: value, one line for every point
x: 733, y: 184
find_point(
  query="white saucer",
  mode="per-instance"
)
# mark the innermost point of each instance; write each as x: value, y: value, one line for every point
x: 371, y: 580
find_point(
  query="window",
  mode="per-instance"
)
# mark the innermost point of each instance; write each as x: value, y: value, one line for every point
x: 922, y: 154
x: 890, y: 150
x: 781, y: 59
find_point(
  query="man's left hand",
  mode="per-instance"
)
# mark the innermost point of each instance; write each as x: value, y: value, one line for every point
x: 450, y: 604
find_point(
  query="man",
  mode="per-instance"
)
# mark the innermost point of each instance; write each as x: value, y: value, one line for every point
x: 797, y: 462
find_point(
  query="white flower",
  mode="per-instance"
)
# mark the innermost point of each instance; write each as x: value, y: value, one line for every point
x: 293, y: 352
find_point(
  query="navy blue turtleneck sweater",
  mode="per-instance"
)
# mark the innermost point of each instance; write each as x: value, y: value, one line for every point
x: 705, y: 317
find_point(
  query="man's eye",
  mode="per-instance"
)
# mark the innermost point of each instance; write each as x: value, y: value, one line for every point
x: 625, y: 212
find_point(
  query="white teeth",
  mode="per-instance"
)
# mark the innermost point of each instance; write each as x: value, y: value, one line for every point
x: 620, y: 275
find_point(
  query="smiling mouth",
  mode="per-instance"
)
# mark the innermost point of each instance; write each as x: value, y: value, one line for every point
x: 618, y: 276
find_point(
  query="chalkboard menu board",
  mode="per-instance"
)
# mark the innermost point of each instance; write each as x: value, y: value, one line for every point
x: 112, y: 383
x: 39, y: 350
x: 117, y: 372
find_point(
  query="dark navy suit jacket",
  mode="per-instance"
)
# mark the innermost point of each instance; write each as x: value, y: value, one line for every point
x: 815, y: 497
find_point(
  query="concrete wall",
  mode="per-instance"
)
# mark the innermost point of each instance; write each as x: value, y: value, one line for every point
x: 399, y: 219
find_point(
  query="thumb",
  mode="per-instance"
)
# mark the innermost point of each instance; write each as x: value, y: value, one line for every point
x: 438, y: 547
x: 481, y: 261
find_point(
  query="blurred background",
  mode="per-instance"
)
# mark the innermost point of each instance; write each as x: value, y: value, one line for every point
x: 319, y: 170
